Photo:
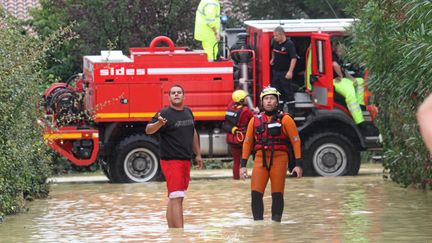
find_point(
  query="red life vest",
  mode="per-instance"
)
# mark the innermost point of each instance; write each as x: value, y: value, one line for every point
x: 232, y: 118
x: 269, y: 134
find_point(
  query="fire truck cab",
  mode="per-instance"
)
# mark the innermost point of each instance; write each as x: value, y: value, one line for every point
x: 331, y: 141
x: 102, y: 116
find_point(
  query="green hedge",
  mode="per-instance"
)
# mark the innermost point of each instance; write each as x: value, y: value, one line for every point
x: 394, y: 39
x: 24, y: 160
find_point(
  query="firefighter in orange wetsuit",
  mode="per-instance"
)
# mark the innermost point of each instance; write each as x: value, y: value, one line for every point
x: 236, y: 119
x: 270, y: 134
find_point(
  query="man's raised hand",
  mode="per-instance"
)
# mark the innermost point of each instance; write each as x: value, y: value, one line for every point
x: 161, y: 120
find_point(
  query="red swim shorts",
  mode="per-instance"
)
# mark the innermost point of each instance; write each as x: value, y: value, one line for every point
x: 177, y: 175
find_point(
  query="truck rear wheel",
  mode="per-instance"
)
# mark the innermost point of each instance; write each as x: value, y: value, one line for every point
x: 136, y: 159
x: 330, y: 154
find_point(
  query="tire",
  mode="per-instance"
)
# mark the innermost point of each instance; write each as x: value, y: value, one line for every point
x: 136, y: 159
x: 330, y: 154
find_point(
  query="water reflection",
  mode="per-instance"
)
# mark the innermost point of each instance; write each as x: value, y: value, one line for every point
x: 342, y: 209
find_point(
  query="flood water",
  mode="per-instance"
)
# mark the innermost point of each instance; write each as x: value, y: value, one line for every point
x: 364, y: 208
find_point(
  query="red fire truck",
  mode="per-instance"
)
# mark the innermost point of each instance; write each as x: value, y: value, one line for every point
x: 101, y: 114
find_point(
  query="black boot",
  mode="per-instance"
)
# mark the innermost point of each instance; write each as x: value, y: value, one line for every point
x: 277, y: 206
x: 257, y: 205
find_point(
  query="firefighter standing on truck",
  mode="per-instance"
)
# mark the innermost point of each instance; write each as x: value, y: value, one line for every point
x: 207, y: 27
x: 270, y: 134
x: 236, y: 119
x: 283, y: 61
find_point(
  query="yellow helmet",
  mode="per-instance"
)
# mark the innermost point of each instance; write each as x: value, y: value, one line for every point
x: 269, y: 91
x: 239, y: 95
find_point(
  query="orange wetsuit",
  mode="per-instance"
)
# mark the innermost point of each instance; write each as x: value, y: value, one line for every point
x: 276, y: 171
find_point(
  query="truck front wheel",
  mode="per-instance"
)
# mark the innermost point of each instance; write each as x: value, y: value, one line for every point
x: 330, y: 154
x: 135, y: 159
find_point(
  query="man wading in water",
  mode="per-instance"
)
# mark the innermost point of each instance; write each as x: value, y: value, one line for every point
x: 178, y: 143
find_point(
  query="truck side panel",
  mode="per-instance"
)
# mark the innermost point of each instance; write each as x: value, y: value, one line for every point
x: 135, y: 88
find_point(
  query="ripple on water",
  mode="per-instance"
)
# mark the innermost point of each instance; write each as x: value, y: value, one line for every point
x: 331, y: 209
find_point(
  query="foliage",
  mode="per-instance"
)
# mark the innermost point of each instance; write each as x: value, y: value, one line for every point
x: 315, y: 9
x: 59, y: 62
x: 282, y: 9
x: 24, y: 164
x: 394, y: 38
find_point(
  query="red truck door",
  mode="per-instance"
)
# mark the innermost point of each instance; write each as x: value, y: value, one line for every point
x: 112, y: 101
x: 321, y: 76
x: 145, y: 100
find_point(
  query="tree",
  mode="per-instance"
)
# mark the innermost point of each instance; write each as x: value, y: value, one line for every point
x: 283, y: 9
x: 46, y: 21
x: 393, y: 37
x: 315, y: 9
x: 24, y: 164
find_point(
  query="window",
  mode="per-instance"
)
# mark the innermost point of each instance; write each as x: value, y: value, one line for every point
x: 320, y: 56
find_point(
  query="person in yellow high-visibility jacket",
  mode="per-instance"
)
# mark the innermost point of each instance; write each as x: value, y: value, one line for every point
x: 207, y: 27
x: 346, y: 87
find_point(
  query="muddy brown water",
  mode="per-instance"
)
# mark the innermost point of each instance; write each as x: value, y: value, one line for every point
x: 363, y: 208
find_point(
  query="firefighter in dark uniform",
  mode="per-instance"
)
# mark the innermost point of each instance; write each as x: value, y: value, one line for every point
x: 236, y: 119
x: 283, y: 61
x: 270, y: 134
